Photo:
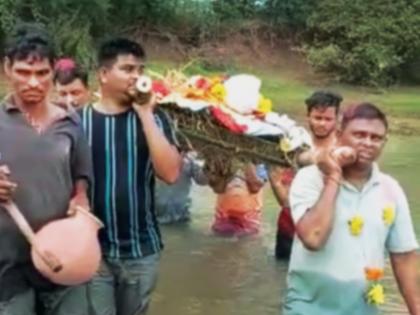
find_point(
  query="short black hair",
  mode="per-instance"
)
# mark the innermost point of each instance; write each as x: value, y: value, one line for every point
x: 111, y: 49
x: 363, y: 110
x: 323, y: 99
x: 29, y: 40
x: 67, y: 76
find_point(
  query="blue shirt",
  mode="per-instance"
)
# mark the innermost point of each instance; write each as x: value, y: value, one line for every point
x: 332, y: 280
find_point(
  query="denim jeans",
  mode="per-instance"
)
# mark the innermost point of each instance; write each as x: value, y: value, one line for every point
x: 124, y: 287
x: 62, y: 301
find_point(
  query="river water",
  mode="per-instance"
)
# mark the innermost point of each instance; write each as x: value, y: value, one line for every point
x: 205, y: 274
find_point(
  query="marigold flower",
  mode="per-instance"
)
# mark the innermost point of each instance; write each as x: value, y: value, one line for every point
x: 216, y: 80
x: 388, y: 214
x: 194, y: 93
x: 218, y: 91
x: 375, y: 295
x: 356, y: 225
x: 265, y: 105
x: 374, y: 274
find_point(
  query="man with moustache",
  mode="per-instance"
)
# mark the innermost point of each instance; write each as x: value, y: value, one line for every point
x: 347, y: 216
x: 45, y: 169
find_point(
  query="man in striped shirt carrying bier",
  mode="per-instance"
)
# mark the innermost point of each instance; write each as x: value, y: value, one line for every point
x: 130, y: 144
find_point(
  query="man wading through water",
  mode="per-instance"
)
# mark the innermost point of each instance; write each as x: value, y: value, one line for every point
x: 323, y: 110
x: 346, y: 219
x: 130, y: 144
x: 46, y: 166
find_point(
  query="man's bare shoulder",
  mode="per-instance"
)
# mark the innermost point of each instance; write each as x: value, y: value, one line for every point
x: 306, y: 158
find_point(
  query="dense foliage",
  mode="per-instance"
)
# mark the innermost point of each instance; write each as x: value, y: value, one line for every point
x: 362, y: 41
x: 358, y: 41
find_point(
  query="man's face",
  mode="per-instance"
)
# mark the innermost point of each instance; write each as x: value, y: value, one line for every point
x: 74, y: 94
x: 31, y: 79
x: 322, y: 121
x: 367, y: 137
x: 119, y: 80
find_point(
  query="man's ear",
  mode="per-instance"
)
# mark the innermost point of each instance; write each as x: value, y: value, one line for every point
x: 307, y: 119
x: 386, y: 138
x: 7, y: 66
x: 102, y: 75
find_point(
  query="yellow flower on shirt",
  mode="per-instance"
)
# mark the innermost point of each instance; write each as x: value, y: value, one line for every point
x: 375, y: 295
x: 388, y: 214
x: 356, y: 225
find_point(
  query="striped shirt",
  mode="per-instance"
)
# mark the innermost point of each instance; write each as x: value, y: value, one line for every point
x: 123, y: 188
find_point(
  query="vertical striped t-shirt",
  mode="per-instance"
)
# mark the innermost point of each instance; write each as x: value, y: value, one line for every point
x: 122, y: 193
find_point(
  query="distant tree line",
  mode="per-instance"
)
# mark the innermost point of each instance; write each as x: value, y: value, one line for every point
x: 375, y: 42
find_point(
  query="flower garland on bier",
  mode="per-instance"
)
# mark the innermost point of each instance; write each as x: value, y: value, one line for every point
x: 227, y: 120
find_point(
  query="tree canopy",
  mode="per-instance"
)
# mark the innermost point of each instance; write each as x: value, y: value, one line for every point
x: 356, y: 41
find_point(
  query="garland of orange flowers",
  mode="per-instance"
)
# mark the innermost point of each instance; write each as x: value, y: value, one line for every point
x: 375, y: 293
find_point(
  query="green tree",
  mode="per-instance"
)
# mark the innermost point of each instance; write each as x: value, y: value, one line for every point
x: 363, y: 41
x: 290, y: 14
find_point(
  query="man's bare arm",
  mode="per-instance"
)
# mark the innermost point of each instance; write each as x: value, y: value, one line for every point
x: 280, y: 190
x: 80, y: 196
x: 314, y: 228
x: 166, y: 159
x: 404, y: 266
